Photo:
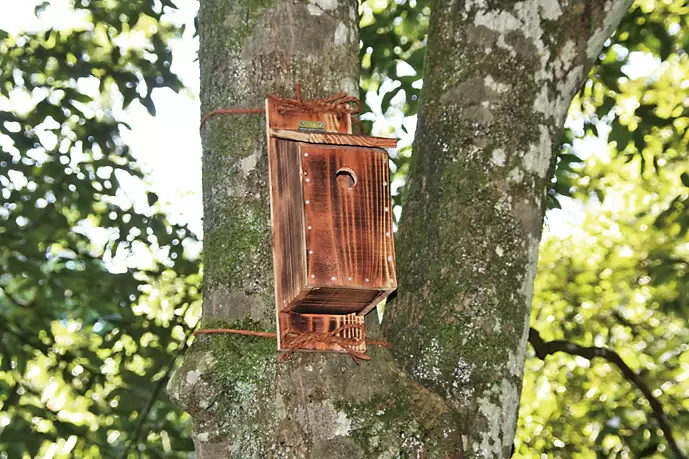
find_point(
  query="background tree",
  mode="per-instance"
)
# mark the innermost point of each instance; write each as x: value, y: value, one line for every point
x: 616, y: 288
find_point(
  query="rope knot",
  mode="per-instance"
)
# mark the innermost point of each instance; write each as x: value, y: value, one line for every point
x: 340, y: 102
x: 299, y: 340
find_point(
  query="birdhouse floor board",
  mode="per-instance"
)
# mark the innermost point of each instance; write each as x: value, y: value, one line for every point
x: 383, y: 294
x: 335, y: 300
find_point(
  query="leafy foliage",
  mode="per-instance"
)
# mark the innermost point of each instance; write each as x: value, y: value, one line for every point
x: 619, y: 281
x: 88, y: 334
x: 393, y: 37
x: 643, y: 112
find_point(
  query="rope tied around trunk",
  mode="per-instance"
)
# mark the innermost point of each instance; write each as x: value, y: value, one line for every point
x: 340, y: 102
x: 297, y: 341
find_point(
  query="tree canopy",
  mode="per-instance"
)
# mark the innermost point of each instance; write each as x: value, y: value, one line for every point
x: 89, y: 334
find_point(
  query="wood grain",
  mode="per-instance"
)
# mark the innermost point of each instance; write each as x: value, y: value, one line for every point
x: 335, y: 300
x: 330, y: 138
x: 349, y: 230
x: 287, y: 210
x: 333, y: 250
x: 382, y: 294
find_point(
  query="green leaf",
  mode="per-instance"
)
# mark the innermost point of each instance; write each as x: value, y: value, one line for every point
x: 150, y: 106
x: 152, y: 198
x: 685, y: 179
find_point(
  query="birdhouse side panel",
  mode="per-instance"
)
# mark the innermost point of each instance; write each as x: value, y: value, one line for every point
x: 348, y: 217
x: 287, y: 210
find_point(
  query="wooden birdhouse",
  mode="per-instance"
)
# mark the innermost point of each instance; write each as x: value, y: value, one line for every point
x: 333, y: 250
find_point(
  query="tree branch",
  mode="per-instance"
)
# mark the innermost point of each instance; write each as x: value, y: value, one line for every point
x: 543, y: 349
x: 35, y: 343
x: 143, y: 417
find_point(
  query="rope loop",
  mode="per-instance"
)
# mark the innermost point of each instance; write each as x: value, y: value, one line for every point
x: 295, y: 341
x: 340, y: 102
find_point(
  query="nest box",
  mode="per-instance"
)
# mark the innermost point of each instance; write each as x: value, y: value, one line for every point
x: 333, y: 250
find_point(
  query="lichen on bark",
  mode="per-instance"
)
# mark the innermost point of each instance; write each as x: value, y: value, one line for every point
x: 468, y: 244
x: 499, y: 77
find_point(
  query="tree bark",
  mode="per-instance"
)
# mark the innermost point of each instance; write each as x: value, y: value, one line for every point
x: 499, y: 78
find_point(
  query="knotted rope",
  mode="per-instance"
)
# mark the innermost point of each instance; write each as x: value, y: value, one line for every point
x: 340, y: 102
x: 296, y: 341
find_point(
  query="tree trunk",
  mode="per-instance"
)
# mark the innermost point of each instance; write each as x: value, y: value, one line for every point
x: 499, y: 78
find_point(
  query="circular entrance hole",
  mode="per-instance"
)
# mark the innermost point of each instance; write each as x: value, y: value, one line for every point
x: 346, y: 177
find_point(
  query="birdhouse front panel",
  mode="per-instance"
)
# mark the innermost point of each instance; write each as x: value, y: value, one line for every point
x: 350, y: 250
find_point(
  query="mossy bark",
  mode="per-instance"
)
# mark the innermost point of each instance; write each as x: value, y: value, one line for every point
x: 469, y: 238
x: 498, y: 81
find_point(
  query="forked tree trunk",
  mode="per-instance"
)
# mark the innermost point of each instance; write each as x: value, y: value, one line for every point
x: 498, y: 80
